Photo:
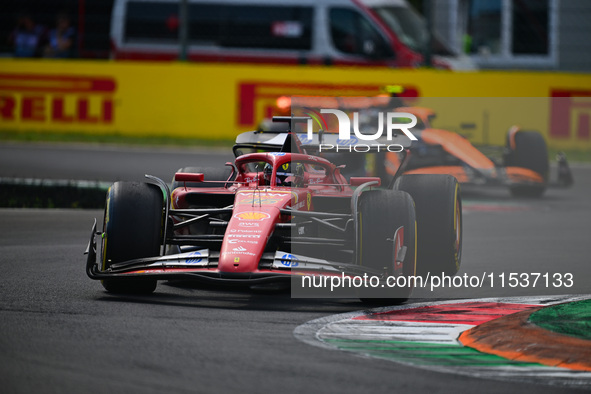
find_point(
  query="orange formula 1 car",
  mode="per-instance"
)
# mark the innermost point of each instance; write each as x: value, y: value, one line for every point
x: 522, y: 164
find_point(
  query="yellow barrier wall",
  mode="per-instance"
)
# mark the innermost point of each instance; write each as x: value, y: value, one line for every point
x: 219, y: 101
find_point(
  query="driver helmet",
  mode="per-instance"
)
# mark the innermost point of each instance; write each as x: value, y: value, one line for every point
x: 267, y: 173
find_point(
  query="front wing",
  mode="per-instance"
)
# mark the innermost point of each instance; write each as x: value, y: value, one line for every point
x: 201, y: 265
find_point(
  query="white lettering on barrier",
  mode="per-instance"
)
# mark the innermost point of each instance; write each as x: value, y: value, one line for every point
x: 345, y: 125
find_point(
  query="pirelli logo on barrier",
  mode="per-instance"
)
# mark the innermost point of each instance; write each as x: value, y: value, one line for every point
x: 257, y: 100
x: 570, y: 114
x: 57, y: 99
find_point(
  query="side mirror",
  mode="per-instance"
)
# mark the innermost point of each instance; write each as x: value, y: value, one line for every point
x: 360, y: 180
x: 188, y: 177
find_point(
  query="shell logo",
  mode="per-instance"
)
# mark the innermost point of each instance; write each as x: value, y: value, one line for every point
x: 252, y: 216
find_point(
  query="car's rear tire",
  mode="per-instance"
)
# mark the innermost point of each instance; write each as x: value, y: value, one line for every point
x: 527, y: 149
x: 381, y: 214
x: 209, y: 174
x: 132, y: 229
x: 438, y: 206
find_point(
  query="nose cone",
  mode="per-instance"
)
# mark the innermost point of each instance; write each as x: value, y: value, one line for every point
x: 249, y: 229
x: 252, y: 224
x: 246, y: 239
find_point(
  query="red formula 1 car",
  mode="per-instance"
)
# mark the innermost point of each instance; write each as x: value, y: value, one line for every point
x: 278, y: 214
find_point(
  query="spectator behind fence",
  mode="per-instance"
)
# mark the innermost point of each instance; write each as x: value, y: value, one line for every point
x: 26, y: 37
x: 60, y: 39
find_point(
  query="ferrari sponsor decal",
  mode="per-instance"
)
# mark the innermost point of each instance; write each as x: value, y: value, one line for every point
x: 168, y: 263
x: 253, y: 179
x: 236, y: 259
x: 309, y: 200
x: 275, y: 193
x: 346, y: 142
x: 252, y: 215
x: 289, y: 260
x: 242, y: 241
x: 194, y: 258
x: 299, y: 205
x: 304, y: 140
x: 249, y: 231
x: 244, y: 235
x: 238, y: 253
x: 248, y: 224
x: 263, y: 199
x: 166, y: 270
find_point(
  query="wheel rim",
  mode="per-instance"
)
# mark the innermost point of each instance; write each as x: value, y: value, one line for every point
x: 398, y: 242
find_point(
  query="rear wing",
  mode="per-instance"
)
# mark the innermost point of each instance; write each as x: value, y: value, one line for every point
x: 287, y: 129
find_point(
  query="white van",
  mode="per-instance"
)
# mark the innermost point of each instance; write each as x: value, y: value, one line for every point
x: 332, y: 32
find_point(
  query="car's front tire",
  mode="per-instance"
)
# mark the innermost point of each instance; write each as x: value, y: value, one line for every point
x: 132, y: 229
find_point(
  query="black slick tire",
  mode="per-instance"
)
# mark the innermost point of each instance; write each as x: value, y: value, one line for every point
x: 132, y: 229
x: 528, y: 150
x: 438, y: 206
x: 384, y: 216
